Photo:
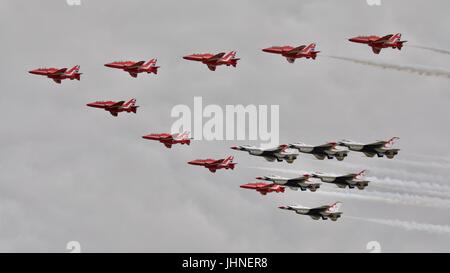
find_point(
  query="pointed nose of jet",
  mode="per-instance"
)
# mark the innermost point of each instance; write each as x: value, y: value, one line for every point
x: 356, y: 39
x: 91, y: 104
x: 151, y: 136
x: 34, y: 71
x: 270, y: 50
x: 259, y: 178
x: 235, y: 148
x: 282, y: 207
x: 112, y: 65
x: 192, y: 162
x: 190, y: 57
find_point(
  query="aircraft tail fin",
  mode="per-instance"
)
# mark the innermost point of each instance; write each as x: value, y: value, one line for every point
x: 334, y: 208
x: 150, y: 63
x: 228, y: 160
x: 73, y: 71
x: 391, y: 142
x: 130, y: 104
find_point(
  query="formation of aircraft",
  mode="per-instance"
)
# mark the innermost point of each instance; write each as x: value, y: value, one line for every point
x: 263, y: 188
x: 301, y: 182
x: 58, y: 74
x: 283, y: 152
x: 328, y: 150
x: 324, y: 212
x: 291, y: 53
x: 115, y: 107
x: 134, y: 68
x: 377, y: 43
x: 215, y: 164
x: 212, y: 61
x: 170, y: 139
x: 380, y: 148
x: 278, y: 153
x: 350, y: 180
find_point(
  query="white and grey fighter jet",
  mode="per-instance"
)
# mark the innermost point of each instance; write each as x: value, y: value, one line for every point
x: 296, y: 183
x: 278, y: 153
x: 350, y: 180
x: 380, y: 148
x: 325, y: 212
x: 328, y: 150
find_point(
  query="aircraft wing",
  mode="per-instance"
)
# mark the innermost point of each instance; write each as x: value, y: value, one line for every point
x: 212, y: 67
x: 133, y: 74
x: 57, y: 80
x: 59, y: 72
x: 216, y: 57
x: 376, y: 50
x: 296, y: 50
x: 136, y: 64
x: 383, y: 40
x: 113, y: 113
x: 116, y: 105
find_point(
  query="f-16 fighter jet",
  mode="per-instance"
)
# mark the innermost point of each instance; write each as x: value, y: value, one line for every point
x: 296, y: 183
x: 278, y: 153
x: 263, y: 188
x: 350, y: 180
x: 328, y: 150
x: 325, y: 212
x: 377, y: 43
x: 215, y: 164
x: 292, y: 53
x: 170, y: 139
x: 380, y: 148
x: 115, y: 107
x: 58, y: 74
x: 134, y: 68
x: 212, y: 61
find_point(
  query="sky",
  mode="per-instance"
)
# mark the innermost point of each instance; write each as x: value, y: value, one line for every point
x: 72, y: 173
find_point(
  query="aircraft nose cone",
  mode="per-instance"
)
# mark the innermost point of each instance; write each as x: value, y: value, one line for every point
x: 189, y: 57
x: 90, y: 104
x: 234, y: 148
x: 32, y: 71
x: 109, y: 65
x: 267, y: 49
x: 260, y: 178
x: 281, y: 207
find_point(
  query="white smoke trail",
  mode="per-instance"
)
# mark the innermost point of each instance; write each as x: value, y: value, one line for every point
x: 408, y: 69
x: 410, y: 226
x: 437, y: 50
x: 390, y: 198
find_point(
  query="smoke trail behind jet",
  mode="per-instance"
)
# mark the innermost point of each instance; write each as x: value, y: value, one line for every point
x: 410, y: 226
x: 437, y: 50
x: 408, y: 69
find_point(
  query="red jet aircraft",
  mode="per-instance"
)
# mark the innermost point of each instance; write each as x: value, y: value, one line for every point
x: 292, y: 53
x: 58, y: 74
x: 377, y: 43
x: 134, y: 68
x: 263, y: 188
x: 115, y: 107
x: 169, y: 139
x: 212, y: 61
x: 215, y: 164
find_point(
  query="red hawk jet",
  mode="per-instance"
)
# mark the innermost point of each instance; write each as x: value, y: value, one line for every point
x: 134, y: 68
x: 292, y: 53
x: 215, y: 164
x: 212, y: 61
x: 263, y: 188
x: 115, y: 107
x: 169, y: 139
x: 377, y: 43
x: 58, y: 74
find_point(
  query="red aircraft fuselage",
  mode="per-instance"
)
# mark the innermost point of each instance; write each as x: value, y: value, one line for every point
x: 291, y: 53
x: 377, y: 43
x: 134, y: 68
x: 214, y: 164
x: 58, y: 74
x: 115, y: 107
x: 169, y: 139
x: 263, y: 188
x: 212, y: 61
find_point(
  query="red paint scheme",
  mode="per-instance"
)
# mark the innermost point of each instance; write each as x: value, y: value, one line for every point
x: 58, y: 74
x: 212, y: 61
x: 377, y: 43
x: 263, y: 188
x: 170, y: 139
x: 291, y: 53
x: 115, y: 107
x: 134, y: 68
x: 215, y: 164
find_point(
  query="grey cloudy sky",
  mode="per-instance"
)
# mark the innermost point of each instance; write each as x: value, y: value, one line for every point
x: 69, y: 172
